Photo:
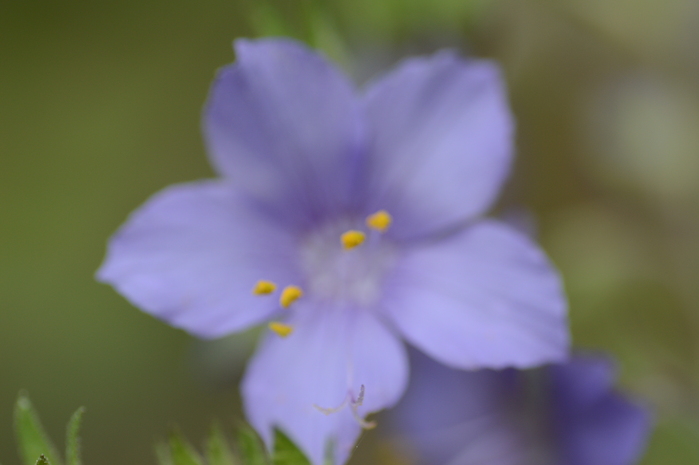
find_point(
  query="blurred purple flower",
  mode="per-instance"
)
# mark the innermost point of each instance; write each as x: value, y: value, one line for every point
x: 304, y: 158
x: 557, y: 415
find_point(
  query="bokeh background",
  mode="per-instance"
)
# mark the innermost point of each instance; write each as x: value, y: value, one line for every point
x: 99, y: 108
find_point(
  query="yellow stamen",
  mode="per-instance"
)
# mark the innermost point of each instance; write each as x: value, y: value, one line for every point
x: 264, y: 288
x: 379, y: 221
x: 289, y: 295
x: 281, y: 329
x: 352, y: 239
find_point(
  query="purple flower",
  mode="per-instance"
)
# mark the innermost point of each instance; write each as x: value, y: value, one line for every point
x: 353, y: 219
x: 557, y: 415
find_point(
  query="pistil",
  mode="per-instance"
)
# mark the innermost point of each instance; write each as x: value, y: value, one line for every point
x: 354, y: 405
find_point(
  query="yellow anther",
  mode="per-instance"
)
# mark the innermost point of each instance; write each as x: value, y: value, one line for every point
x: 380, y: 221
x: 289, y: 295
x: 352, y: 239
x: 264, y: 288
x: 281, y: 329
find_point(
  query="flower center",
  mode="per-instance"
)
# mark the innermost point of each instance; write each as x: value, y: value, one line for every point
x: 343, y: 264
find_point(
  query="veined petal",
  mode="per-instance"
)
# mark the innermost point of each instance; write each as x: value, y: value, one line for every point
x: 442, y: 142
x: 192, y: 254
x: 483, y: 298
x: 284, y: 124
x: 332, y: 352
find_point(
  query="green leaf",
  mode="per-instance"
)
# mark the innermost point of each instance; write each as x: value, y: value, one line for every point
x: 43, y: 461
x: 72, y: 438
x: 31, y: 438
x: 162, y: 452
x: 286, y: 452
x: 217, y: 450
x: 252, y: 452
x: 182, y: 452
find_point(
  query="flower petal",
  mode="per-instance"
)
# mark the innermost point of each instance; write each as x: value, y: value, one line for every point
x: 461, y: 417
x: 595, y: 424
x: 443, y: 141
x: 485, y: 297
x: 552, y: 415
x: 331, y: 352
x: 584, y: 380
x: 192, y: 254
x: 284, y: 124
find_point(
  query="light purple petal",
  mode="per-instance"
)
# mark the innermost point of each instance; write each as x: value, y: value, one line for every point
x: 584, y: 380
x: 331, y: 351
x: 595, y: 425
x: 554, y: 415
x: 442, y: 141
x: 192, y: 254
x: 284, y: 125
x: 485, y: 297
x: 461, y: 417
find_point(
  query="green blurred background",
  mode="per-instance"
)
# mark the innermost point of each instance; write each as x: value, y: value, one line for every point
x: 100, y: 105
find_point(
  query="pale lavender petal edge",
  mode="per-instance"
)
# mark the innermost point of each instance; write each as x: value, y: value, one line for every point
x: 192, y: 254
x: 441, y: 141
x: 331, y: 353
x: 284, y: 124
x: 486, y: 297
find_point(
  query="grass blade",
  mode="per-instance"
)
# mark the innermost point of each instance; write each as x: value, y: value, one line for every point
x: 73, y: 438
x: 252, y: 451
x: 217, y: 450
x: 286, y: 452
x: 31, y: 438
x: 182, y: 452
